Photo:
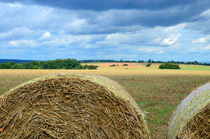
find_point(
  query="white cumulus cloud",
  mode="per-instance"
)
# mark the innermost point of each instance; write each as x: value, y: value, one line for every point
x: 155, y: 50
x: 21, y: 43
x: 202, y: 40
x: 170, y: 40
x: 45, y: 35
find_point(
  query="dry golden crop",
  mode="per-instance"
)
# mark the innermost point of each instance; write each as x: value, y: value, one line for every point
x: 157, y: 92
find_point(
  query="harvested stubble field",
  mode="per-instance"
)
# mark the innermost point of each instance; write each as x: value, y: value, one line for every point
x: 157, y: 92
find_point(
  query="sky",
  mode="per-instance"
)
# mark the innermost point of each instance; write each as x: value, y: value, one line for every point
x: 105, y: 29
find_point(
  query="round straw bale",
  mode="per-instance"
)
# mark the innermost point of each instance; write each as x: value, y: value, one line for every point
x: 70, y: 106
x: 192, y: 117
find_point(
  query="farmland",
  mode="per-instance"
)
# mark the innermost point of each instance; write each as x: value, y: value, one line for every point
x: 157, y: 92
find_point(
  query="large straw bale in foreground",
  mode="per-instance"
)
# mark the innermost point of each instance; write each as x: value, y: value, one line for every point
x: 192, y: 117
x: 70, y: 106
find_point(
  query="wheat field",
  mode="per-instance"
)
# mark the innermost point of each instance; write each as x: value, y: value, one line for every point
x: 157, y: 92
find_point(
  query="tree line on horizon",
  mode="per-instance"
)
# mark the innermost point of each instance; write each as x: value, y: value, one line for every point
x: 75, y: 64
x: 51, y: 64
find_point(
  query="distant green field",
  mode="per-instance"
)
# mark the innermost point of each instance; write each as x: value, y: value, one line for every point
x: 187, y: 67
x: 202, y: 68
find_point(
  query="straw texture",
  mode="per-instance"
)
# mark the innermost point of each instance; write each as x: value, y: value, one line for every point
x: 192, y: 117
x: 70, y: 106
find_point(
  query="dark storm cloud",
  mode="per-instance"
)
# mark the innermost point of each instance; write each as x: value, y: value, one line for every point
x: 148, y: 13
x: 147, y: 18
x: 202, y: 23
x: 109, y: 4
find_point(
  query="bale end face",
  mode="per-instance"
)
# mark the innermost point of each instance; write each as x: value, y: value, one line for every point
x: 192, y: 117
x: 68, y: 107
x: 198, y: 127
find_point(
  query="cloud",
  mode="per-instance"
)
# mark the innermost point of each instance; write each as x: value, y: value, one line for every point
x: 99, y: 5
x: 158, y: 36
x: 21, y: 43
x: 152, y: 50
x: 202, y: 23
x: 206, y: 48
x: 170, y: 40
x: 15, y: 5
x: 158, y: 29
x: 202, y: 40
x: 203, y: 49
x: 42, y: 19
x: 114, y: 12
x: 45, y: 35
x: 148, y: 18
x: 18, y: 33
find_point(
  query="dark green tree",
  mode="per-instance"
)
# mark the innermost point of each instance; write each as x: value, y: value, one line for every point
x: 169, y: 66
